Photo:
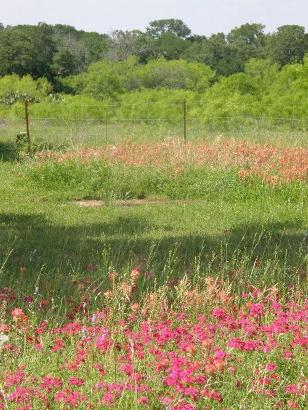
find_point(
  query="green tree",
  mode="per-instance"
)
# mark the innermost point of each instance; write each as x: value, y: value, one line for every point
x: 171, y: 47
x: 178, y: 74
x: 101, y: 81
x: 219, y: 55
x: 287, y: 45
x: 15, y: 44
x: 251, y: 35
x: 64, y: 63
x: 44, y: 48
x: 248, y: 42
x: 86, y: 48
x: 263, y: 73
x: 261, y: 68
x: 27, y: 50
x: 124, y: 44
x: 177, y: 27
x: 14, y: 88
x: 96, y: 45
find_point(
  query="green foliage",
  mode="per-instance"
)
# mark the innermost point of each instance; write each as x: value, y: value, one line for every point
x: 162, y: 103
x: 262, y: 69
x: 227, y: 54
x: 101, y: 81
x: 217, y: 53
x: 96, y: 180
x: 14, y: 88
x: 170, y: 46
x: 66, y: 107
x: 64, y: 63
x: 27, y: 50
x: 125, y: 44
x: 59, y: 51
x: 248, y: 42
x: 129, y: 90
x: 84, y: 49
x: 108, y: 79
x: 220, y: 234
x: 175, y: 75
x: 287, y: 45
x: 157, y: 28
x: 48, y: 51
x: 99, y: 180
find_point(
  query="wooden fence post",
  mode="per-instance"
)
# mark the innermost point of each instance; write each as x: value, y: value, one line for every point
x: 185, y: 120
x: 27, y: 126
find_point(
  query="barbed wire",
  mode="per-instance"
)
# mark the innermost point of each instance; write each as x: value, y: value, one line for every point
x: 163, y: 119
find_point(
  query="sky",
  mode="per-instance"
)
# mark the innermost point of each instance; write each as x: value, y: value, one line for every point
x: 202, y: 16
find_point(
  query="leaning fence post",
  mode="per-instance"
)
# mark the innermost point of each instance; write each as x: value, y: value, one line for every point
x: 27, y: 126
x: 185, y: 120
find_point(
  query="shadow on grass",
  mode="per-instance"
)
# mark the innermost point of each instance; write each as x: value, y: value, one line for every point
x: 8, y: 152
x: 277, y: 250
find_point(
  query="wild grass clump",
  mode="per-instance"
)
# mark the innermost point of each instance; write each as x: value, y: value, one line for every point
x: 102, y: 180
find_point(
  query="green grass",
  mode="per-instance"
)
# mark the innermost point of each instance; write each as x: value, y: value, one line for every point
x: 207, y: 223
x: 89, y: 133
x: 244, y: 231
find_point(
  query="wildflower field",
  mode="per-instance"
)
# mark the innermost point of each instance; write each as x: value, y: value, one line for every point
x: 184, y: 289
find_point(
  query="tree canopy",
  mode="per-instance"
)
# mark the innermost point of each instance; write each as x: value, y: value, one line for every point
x: 60, y: 51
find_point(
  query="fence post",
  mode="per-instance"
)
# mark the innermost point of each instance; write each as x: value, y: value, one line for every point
x: 106, y: 124
x: 27, y: 126
x: 185, y: 120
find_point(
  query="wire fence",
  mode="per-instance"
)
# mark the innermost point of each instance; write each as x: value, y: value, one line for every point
x: 115, y: 124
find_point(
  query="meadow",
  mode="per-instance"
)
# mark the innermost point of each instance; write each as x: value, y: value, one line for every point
x: 147, y: 273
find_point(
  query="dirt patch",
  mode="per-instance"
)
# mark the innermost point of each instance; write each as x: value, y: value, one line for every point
x: 129, y: 202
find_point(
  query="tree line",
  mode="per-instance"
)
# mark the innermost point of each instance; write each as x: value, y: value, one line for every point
x: 67, y: 73
x: 59, y: 51
x: 129, y: 90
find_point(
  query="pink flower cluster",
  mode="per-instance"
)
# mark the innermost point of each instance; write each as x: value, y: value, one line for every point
x: 244, y: 352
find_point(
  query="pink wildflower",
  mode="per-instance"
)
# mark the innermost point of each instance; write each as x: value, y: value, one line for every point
x: 76, y: 381
x: 50, y: 383
x: 270, y: 367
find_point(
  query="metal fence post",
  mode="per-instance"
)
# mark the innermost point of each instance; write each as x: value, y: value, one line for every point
x: 27, y: 126
x: 185, y: 120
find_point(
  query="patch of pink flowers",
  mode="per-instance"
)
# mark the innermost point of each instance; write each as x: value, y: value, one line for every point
x: 223, y: 352
x: 274, y: 164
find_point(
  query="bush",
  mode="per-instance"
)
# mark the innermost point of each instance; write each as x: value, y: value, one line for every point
x: 14, y: 88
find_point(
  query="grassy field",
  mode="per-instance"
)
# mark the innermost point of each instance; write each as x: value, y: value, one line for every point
x: 220, y: 223
x: 218, y: 239
x: 88, y: 132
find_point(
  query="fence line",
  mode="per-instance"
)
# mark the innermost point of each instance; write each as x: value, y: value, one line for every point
x: 181, y: 119
x: 98, y: 119
x: 36, y: 119
x: 147, y: 102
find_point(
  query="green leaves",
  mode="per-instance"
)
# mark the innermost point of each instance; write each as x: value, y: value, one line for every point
x: 14, y: 89
x: 157, y: 28
x: 27, y: 50
x: 287, y: 45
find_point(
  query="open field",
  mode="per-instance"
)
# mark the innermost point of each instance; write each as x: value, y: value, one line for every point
x: 192, y: 298
x: 153, y: 210
x: 90, y: 132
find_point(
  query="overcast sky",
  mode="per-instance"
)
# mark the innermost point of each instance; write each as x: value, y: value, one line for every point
x: 202, y: 16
